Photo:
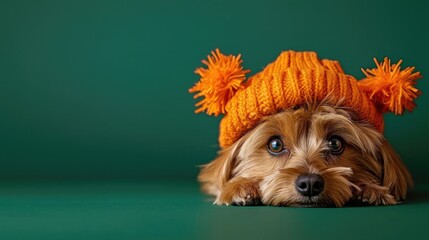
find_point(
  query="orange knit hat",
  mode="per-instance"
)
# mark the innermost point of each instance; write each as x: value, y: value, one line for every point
x: 295, y: 78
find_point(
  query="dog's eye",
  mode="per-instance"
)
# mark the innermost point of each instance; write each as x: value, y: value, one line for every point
x: 336, y: 145
x: 275, y: 146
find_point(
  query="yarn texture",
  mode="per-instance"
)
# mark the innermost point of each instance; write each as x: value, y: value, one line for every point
x: 293, y: 79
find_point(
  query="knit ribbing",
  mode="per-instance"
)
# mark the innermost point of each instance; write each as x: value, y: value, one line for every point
x: 295, y: 78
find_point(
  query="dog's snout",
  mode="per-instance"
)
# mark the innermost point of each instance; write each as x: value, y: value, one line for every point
x: 310, y: 184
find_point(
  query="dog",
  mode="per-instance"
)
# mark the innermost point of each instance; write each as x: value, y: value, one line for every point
x: 309, y: 156
x: 302, y: 132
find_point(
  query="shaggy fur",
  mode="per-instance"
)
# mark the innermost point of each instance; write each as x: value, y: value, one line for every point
x: 368, y: 170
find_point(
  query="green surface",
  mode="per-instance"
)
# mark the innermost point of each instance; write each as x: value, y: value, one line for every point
x: 154, y: 210
x: 94, y: 110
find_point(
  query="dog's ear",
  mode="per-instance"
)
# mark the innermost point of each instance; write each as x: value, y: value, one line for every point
x: 395, y: 175
x: 216, y: 173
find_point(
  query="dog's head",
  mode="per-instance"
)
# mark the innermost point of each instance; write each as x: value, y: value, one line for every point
x: 314, y: 155
x: 326, y: 152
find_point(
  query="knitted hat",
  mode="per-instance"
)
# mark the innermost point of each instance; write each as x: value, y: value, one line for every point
x: 295, y: 78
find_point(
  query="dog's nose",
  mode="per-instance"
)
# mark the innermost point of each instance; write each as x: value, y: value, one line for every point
x: 310, y: 184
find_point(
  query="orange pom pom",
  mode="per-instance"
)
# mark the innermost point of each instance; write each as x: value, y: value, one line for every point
x: 390, y: 88
x: 219, y: 82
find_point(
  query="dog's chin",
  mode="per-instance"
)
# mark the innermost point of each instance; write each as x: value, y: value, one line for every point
x: 310, y: 205
x: 309, y: 202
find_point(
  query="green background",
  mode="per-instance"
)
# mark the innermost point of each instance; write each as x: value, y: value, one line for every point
x: 96, y: 122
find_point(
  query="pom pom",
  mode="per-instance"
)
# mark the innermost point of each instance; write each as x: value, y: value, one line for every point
x: 390, y: 88
x: 223, y: 77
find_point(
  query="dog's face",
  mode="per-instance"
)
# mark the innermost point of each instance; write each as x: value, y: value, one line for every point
x: 308, y: 156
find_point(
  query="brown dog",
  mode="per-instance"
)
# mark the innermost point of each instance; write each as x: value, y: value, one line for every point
x: 314, y: 155
x: 302, y: 132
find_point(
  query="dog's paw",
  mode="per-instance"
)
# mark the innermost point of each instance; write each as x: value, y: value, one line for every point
x: 377, y: 195
x: 249, y: 200
x: 240, y: 193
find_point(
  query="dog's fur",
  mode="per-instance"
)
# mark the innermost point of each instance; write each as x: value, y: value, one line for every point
x: 368, y: 171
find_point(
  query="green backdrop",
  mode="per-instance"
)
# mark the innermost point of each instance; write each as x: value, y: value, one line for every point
x: 98, y: 139
x: 98, y: 89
